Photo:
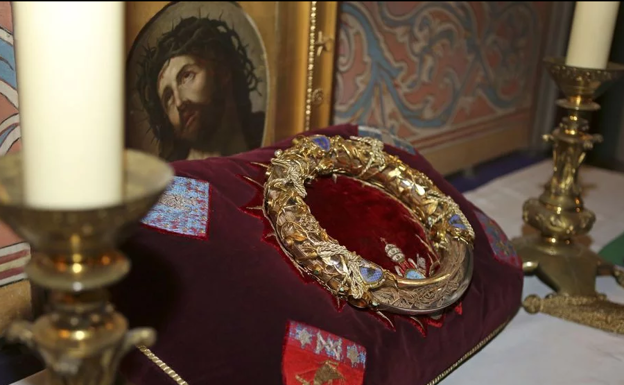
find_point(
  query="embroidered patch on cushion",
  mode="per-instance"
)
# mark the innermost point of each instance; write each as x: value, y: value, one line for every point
x: 502, y: 247
x: 182, y: 209
x: 315, y: 357
x: 387, y: 137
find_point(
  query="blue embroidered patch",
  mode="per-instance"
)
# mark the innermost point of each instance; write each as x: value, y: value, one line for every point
x: 387, y: 137
x: 501, y: 246
x: 182, y: 209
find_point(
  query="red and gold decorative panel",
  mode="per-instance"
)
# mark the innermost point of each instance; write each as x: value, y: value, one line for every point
x: 442, y: 75
x: 14, y: 253
x: 9, y: 118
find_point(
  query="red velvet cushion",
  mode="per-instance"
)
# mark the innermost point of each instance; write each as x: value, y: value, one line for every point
x: 230, y: 308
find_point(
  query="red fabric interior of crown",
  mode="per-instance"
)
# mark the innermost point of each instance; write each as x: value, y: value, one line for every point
x: 363, y: 219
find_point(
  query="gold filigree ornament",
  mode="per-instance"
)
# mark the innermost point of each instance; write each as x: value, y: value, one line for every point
x: 342, y: 272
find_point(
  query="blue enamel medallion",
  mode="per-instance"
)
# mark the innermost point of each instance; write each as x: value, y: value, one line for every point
x: 413, y: 274
x: 456, y: 222
x: 371, y: 274
x: 322, y: 142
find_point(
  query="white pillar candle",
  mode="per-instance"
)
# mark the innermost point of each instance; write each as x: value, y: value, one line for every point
x: 70, y: 78
x: 592, y: 34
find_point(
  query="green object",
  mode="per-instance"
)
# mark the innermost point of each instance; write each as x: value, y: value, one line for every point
x: 614, y: 251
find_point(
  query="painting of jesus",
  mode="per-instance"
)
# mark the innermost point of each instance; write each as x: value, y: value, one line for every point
x: 197, y: 83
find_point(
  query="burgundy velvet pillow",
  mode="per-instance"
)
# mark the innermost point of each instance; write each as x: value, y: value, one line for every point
x: 230, y: 308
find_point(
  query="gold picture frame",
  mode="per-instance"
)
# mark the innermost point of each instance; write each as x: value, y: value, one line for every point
x: 298, y: 40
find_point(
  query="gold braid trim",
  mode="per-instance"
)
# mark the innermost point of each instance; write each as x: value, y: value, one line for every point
x: 164, y: 367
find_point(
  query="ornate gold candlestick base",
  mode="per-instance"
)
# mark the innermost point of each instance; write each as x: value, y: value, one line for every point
x: 571, y: 270
x: 559, y: 213
x: 81, y: 338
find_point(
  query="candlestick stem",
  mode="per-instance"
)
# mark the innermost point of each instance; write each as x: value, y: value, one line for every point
x: 559, y: 213
x: 81, y: 338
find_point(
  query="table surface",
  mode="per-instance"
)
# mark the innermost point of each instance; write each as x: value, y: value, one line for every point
x: 540, y: 349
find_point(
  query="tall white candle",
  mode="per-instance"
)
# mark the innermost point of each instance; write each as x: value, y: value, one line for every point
x: 70, y: 78
x: 592, y: 33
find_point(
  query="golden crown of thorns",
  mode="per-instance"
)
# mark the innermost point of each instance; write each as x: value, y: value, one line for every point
x: 344, y: 273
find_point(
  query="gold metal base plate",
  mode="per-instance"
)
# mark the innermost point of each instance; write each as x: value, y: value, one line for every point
x: 570, y: 269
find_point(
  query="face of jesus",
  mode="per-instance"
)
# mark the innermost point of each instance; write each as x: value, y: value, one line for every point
x: 188, y: 93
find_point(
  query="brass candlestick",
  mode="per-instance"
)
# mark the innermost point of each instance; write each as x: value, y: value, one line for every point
x: 559, y: 213
x: 81, y: 338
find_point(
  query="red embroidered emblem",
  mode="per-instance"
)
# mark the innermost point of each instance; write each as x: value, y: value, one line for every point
x: 315, y: 357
